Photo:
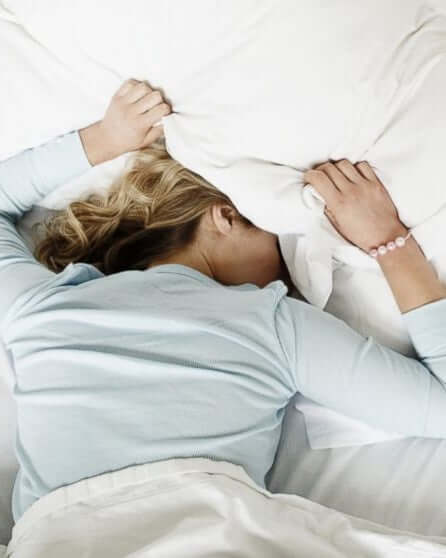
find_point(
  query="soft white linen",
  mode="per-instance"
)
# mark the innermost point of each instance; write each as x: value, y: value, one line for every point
x: 200, y: 508
x: 398, y: 483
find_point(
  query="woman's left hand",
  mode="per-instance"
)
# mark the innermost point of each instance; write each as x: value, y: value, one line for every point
x: 357, y: 203
x: 131, y: 122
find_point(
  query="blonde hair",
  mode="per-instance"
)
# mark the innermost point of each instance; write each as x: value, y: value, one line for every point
x: 152, y: 211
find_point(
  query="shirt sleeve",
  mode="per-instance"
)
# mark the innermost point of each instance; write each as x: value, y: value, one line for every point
x: 24, y: 180
x: 335, y: 366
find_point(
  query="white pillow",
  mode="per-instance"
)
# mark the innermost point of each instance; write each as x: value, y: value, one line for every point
x: 262, y: 90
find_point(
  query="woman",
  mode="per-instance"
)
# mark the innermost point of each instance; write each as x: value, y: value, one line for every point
x: 193, y: 348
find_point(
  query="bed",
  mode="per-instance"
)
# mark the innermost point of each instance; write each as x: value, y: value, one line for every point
x: 52, y: 57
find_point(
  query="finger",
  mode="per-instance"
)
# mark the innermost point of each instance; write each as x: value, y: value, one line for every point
x: 153, y: 134
x: 338, y: 178
x: 366, y: 170
x: 154, y: 115
x: 323, y: 186
x: 137, y: 92
x: 349, y: 170
x: 125, y: 87
x: 148, y: 102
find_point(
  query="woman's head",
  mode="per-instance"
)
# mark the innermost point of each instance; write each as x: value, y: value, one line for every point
x: 160, y: 212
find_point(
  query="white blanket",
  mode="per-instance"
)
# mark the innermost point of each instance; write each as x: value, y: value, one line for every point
x: 262, y: 90
x: 198, y: 508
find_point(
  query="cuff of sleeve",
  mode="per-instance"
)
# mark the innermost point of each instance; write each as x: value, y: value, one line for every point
x: 427, y: 327
x: 59, y: 161
x: 74, y: 142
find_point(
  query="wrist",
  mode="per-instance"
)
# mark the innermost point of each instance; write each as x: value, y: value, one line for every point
x: 96, y: 145
x: 412, y: 279
x: 399, y: 255
x: 398, y: 230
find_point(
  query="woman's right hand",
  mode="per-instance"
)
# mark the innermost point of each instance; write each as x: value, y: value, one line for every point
x: 357, y: 203
x: 132, y: 121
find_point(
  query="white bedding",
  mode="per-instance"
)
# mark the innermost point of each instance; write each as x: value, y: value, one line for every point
x: 198, y: 508
x: 399, y: 483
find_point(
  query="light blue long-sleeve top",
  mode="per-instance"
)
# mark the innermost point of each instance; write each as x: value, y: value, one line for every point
x: 149, y: 365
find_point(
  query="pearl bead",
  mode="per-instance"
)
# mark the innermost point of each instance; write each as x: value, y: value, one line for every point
x: 373, y: 253
x: 400, y: 241
x: 391, y: 245
x: 382, y: 250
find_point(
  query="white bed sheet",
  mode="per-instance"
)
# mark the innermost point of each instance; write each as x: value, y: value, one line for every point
x: 400, y: 483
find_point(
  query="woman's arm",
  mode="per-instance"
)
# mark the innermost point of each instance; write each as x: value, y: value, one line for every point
x: 24, y: 180
x: 28, y: 177
x: 336, y: 366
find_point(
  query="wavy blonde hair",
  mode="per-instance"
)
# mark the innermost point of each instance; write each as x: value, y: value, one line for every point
x: 150, y: 212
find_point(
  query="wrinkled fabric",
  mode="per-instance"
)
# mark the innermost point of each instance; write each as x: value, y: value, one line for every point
x: 198, y: 508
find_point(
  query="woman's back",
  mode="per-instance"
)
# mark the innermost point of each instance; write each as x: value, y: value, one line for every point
x: 147, y: 366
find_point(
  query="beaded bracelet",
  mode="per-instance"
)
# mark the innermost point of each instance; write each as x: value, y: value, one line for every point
x: 399, y: 242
